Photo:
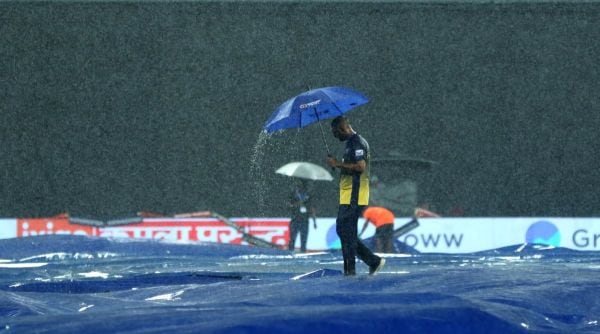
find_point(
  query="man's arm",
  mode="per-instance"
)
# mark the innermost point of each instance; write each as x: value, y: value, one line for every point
x: 358, y: 166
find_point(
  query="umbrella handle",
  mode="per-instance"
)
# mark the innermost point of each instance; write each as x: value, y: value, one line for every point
x: 323, y: 136
x: 324, y: 141
x: 322, y: 132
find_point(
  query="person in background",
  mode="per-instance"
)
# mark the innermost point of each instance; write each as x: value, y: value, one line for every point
x: 301, y: 210
x: 354, y: 196
x: 423, y: 210
x: 457, y: 211
x: 383, y: 219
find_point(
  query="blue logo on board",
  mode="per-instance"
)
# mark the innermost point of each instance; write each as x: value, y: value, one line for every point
x: 333, y: 241
x: 543, y: 232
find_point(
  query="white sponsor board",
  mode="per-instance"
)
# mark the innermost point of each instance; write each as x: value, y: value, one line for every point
x: 467, y: 235
x: 8, y: 228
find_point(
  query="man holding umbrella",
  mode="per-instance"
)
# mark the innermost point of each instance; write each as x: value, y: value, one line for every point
x: 354, y: 196
x: 325, y: 103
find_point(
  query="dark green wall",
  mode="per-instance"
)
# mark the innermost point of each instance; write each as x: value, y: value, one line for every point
x: 112, y: 108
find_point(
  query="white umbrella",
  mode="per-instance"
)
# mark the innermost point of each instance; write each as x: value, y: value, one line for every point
x: 305, y: 170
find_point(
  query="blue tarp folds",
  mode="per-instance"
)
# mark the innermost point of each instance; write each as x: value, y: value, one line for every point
x: 60, y: 284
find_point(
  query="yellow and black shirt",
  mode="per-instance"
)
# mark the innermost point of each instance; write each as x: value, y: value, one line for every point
x: 354, y: 186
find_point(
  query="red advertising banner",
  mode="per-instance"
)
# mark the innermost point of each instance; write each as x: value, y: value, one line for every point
x: 275, y: 231
x: 45, y: 226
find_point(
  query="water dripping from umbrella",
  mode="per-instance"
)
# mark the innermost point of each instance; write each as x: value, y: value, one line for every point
x: 257, y: 173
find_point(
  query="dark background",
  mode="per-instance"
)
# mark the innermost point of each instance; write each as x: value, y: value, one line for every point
x: 112, y: 108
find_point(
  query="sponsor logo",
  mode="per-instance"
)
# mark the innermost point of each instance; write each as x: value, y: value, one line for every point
x: 421, y: 241
x: 583, y: 238
x: 359, y: 153
x: 433, y: 240
x: 543, y: 232
x: 35, y: 227
x: 309, y: 104
x: 333, y: 241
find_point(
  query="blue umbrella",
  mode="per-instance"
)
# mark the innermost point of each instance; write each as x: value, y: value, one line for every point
x: 313, y: 106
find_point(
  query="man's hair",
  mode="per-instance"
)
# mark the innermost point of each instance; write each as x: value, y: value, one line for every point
x: 336, y: 122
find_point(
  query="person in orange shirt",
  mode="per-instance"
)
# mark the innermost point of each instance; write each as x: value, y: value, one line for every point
x: 383, y: 219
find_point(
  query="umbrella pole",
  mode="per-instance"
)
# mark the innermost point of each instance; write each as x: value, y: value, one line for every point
x: 322, y: 132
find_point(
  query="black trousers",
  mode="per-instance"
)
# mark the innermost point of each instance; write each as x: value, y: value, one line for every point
x: 347, y: 229
x: 384, y: 238
x: 298, y: 226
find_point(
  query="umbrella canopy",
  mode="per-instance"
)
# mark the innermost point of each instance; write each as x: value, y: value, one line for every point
x: 312, y: 106
x: 305, y: 170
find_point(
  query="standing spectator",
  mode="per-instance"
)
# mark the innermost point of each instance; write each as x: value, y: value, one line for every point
x: 301, y: 210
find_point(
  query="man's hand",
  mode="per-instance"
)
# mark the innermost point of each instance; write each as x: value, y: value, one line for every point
x: 358, y: 166
x: 332, y: 162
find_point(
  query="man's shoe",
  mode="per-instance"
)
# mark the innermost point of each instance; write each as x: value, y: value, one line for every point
x: 377, y: 268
